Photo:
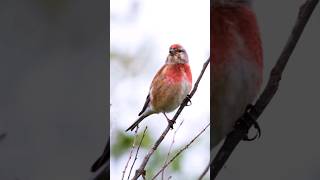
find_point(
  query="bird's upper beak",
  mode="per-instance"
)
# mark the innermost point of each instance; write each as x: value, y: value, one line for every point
x: 172, y: 51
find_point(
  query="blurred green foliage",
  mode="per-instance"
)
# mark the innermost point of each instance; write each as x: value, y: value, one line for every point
x: 176, y: 164
x: 125, y: 141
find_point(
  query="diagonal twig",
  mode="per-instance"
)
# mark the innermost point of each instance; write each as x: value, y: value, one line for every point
x: 170, y: 148
x: 237, y: 135
x: 141, y: 170
x: 181, y: 150
x: 136, y: 157
x: 131, y: 151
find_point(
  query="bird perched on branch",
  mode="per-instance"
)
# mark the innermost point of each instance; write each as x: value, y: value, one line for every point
x: 170, y: 86
x: 237, y: 65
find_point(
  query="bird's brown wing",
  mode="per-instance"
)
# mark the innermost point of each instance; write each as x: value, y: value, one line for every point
x: 145, y: 104
x: 158, y: 77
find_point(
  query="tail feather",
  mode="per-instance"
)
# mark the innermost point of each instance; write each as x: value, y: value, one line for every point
x: 136, y: 123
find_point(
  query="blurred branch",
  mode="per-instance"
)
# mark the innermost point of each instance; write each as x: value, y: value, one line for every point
x: 141, y: 170
x: 238, y: 134
x: 102, y: 173
x: 170, y: 148
x: 136, y: 157
x: 131, y: 151
x: 181, y: 150
x: 100, y: 167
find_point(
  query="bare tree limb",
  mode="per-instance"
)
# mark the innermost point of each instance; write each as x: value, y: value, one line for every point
x: 141, y: 170
x: 237, y: 135
x: 181, y: 150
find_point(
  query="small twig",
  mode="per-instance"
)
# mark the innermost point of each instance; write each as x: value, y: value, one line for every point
x: 131, y: 151
x: 170, y: 148
x: 181, y: 150
x: 141, y: 170
x: 237, y: 135
x: 136, y: 157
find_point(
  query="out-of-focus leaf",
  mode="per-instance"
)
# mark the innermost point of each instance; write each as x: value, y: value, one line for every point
x: 155, y: 163
x: 147, y: 140
x: 122, y: 143
x: 176, y: 164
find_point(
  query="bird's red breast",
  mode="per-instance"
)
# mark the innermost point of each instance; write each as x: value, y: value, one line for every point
x: 177, y: 72
x: 228, y: 22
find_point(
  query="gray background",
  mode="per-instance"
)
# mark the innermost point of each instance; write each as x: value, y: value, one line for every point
x: 289, y: 147
x: 53, y: 95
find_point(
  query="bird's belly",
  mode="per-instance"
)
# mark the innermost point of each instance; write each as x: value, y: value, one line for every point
x: 171, y: 96
x: 235, y: 85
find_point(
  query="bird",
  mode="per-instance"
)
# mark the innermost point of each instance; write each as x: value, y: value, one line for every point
x: 169, y: 87
x: 236, y: 64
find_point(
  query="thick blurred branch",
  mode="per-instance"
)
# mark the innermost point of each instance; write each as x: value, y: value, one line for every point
x: 141, y: 170
x: 237, y: 135
x: 100, y: 168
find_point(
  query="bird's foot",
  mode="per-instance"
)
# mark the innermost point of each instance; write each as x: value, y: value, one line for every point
x: 189, y: 103
x: 244, y: 124
x: 170, y: 122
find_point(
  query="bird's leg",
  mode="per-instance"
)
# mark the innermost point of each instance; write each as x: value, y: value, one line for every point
x: 169, y: 121
x: 245, y: 122
x: 189, y: 100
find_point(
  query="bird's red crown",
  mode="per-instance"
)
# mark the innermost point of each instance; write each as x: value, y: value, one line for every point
x: 175, y: 46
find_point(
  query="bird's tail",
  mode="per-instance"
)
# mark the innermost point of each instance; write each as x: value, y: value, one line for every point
x: 135, y: 124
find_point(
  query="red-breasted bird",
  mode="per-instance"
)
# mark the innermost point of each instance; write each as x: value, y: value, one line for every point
x: 170, y: 86
x: 237, y: 65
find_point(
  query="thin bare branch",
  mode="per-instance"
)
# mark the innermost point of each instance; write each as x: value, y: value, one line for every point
x: 180, y: 151
x: 238, y: 134
x: 136, y: 157
x: 170, y: 148
x: 140, y: 171
x: 131, y: 151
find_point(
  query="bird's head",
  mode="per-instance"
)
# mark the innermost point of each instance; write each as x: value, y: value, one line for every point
x: 231, y: 2
x: 177, y: 55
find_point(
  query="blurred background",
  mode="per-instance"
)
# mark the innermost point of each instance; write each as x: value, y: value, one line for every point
x: 53, y: 95
x: 289, y: 146
x: 141, y: 33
